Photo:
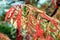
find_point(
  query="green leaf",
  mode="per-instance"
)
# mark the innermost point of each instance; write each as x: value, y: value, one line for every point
x: 24, y: 11
x: 54, y: 36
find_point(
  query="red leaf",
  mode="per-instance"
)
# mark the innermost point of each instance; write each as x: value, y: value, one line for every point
x: 54, y: 23
x: 12, y: 15
x: 39, y: 31
x: 9, y: 13
x: 18, y: 18
x: 49, y: 37
x: 19, y: 24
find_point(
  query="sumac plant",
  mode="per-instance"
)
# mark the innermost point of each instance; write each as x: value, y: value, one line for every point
x: 32, y: 23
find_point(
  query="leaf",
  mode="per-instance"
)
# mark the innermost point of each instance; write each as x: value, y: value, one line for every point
x: 24, y: 11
